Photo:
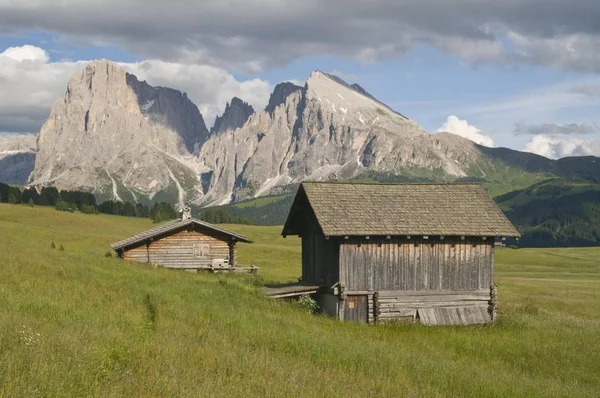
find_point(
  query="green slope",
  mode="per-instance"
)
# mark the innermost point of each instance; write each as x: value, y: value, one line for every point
x: 76, y: 323
x: 557, y: 212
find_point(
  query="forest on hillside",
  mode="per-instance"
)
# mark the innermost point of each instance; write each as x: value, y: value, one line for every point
x: 84, y: 202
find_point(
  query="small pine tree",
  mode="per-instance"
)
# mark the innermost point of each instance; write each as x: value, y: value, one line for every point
x: 30, y: 203
x: 61, y: 205
x: 158, y: 217
x: 61, y: 248
x: 52, y: 245
x: 11, y: 199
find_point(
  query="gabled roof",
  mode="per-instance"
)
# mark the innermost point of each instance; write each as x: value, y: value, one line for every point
x: 368, y: 209
x: 171, y: 226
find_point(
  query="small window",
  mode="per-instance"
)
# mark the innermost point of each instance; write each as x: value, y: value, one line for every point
x: 201, y: 250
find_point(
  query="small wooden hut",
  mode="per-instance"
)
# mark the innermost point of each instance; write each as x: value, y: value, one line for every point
x: 414, y: 252
x: 185, y: 243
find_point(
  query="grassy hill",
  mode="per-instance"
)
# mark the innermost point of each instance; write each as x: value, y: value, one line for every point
x: 556, y: 212
x: 77, y: 323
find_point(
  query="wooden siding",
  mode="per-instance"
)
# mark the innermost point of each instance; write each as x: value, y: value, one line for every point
x: 320, y: 264
x: 139, y: 254
x: 460, y: 306
x: 183, y: 249
x: 370, y: 298
x: 399, y: 264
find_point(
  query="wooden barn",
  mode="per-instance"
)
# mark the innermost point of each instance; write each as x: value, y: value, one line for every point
x: 186, y: 243
x: 410, y: 252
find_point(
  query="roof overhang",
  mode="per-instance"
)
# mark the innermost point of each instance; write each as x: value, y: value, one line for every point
x: 172, y: 226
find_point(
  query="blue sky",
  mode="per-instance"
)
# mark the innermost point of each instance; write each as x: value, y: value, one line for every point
x: 510, y: 77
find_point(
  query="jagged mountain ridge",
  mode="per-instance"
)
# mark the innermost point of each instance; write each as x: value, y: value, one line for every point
x: 124, y: 139
x: 326, y: 129
x: 118, y: 137
x: 237, y: 113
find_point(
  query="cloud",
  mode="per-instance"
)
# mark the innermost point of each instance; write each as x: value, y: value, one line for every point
x: 30, y: 84
x: 559, y: 147
x: 460, y: 127
x: 578, y: 51
x: 249, y: 35
x: 586, y: 90
x: 555, y: 129
x: 26, y: 53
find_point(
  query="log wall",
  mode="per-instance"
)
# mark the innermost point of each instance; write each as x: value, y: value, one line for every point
x: 184, y: 249
x: 461, y: 307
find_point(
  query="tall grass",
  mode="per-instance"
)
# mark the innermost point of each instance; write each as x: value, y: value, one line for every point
x: 77, y: 323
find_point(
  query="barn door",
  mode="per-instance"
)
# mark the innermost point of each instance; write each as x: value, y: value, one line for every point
x: 356, y: 309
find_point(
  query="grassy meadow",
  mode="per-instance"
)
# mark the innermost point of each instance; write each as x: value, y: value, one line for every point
x: 76, y: 323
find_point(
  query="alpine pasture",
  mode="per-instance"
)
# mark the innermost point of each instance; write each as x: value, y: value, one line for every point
x: 75, y: 322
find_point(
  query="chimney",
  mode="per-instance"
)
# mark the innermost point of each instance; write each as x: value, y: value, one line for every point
x: 186, y: 213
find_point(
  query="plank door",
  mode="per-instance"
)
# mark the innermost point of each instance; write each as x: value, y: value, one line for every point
x: 356, y: 309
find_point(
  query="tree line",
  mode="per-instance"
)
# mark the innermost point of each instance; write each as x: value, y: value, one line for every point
x: 84, y: 202
x: 569, y: 220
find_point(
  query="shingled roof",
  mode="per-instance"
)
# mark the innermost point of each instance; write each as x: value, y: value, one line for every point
x: 366, y: 209
x: 166, y: 228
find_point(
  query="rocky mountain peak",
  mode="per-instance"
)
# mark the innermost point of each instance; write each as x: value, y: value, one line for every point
x: 172, y: 107
x: 237, y: 112
x: 120, y: 137
x: 279, y: 95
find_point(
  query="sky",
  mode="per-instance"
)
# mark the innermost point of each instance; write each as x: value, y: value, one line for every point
x: 523, y: 74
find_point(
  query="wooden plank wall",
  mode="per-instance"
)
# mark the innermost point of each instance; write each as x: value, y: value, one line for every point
x: 320, y: 263
x: 177, y: 250
x: 371, y: 316
x: 416, y: 264
x: 404, y: 305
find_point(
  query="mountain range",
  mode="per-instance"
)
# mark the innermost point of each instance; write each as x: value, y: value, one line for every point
x: 123, y: 139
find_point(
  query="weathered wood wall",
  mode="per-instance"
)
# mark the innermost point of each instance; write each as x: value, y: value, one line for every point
x: 320, y: 264
x: 470, y: 306
x: 400, y: 264
x: 320, y: 256
x: 177, y: 250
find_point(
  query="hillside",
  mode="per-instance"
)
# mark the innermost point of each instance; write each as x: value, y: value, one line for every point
x: 77, y: 323
x: 556, y: 212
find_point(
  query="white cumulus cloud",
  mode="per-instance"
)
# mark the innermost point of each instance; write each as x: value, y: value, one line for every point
x: 30, y: 84
x: 461, y: 127
x: 26, y: 52
x: 555, y: 147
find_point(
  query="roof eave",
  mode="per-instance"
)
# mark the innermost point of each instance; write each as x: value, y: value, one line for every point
x: 124, y: 245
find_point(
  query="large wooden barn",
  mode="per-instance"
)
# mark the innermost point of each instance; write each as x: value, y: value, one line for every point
x: 412, y: 252
x: 186, y: 243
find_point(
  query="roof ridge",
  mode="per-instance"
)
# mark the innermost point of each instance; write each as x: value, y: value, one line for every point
x: 171, y: 225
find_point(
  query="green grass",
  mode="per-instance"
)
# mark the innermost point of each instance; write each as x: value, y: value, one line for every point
x: 76, y: 323
x: 260, y: 201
